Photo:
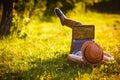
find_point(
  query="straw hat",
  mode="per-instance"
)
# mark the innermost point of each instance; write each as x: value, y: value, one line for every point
x: 92, y: 53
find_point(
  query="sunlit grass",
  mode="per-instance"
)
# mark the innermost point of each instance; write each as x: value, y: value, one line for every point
x: 42, y: 53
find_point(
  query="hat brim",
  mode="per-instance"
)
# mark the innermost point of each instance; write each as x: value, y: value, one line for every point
x: 85, y: 56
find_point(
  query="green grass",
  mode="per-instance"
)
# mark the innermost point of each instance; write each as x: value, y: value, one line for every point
x: 42, y: 54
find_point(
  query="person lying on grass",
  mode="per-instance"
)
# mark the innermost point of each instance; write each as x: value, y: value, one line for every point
x: 89, y: 53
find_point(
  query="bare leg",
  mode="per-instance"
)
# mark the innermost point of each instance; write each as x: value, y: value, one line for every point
x: 71, y: 23
x: 65, y: 21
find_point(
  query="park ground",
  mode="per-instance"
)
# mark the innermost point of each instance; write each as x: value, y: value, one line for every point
x: 39, y: 52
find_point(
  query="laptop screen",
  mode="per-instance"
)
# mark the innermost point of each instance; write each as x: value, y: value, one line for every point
x: 83, y: 32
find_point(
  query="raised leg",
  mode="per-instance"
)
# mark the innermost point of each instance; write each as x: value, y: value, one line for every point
x: 65, y: 21
x: 71, y: 23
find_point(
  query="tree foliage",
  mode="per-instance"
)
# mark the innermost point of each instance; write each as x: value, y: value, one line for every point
x: 47, y: 6
x: 41, y: 8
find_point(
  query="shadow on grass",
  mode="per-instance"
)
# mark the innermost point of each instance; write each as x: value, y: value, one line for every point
x: 57, y: 68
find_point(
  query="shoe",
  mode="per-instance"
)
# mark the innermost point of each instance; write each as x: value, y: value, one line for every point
x: 60, y: 14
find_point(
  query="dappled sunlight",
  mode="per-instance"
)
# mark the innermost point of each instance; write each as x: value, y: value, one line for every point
x: 39, y: 51
x: 37, y: 45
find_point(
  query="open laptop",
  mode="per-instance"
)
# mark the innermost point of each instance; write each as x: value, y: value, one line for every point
x: 83, y: 32
x: 80, y: 34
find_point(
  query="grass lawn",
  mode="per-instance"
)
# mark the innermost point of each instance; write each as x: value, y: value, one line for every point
x: 42, y: 54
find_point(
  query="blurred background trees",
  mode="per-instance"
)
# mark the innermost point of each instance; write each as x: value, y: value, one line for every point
x: 20, y: 11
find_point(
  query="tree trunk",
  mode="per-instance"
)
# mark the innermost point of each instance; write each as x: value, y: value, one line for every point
x: 6, y: 17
